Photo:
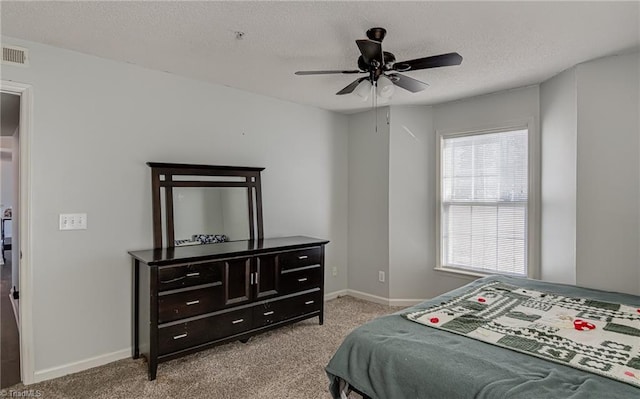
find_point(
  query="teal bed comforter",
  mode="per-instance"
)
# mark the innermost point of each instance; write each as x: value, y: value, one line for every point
x: 394, y: 358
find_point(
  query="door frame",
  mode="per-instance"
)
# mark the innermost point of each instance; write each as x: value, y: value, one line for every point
x: 25, y: 327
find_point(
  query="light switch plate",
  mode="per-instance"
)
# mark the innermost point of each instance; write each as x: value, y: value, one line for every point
x: 73, y: 221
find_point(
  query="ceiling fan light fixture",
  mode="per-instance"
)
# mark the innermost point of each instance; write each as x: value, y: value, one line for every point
x: 384, y: 87
x: 381, y: 67
x: 363, y: 90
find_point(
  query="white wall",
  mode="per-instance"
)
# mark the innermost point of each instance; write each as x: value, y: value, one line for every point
x: 558, y: 125
x: 590, y: 181
x: 96, y: 123
x: 588, y: 118
x: 591, y: 175
x: 412, y: 197
x: 488, y: 110
x: 369, y: 202
x: 608, y: 178
x: 392, y: 191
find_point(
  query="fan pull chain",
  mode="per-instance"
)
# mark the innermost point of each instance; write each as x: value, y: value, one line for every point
x: 375, y: 103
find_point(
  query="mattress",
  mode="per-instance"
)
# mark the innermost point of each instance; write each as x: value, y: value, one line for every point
x: 394, y: 358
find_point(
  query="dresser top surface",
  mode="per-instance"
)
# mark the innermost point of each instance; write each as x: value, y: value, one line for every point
x: 163, y: 256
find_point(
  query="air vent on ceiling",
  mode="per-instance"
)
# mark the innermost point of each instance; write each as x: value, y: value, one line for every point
x: 13, y: 55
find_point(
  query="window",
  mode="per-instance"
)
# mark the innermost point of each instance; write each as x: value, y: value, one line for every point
x: 484, y: 202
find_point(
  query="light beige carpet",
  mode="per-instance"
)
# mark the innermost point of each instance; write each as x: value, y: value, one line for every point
x: 285, y: 363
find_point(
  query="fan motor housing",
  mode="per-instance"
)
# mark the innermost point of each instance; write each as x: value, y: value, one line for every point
x: 389, y: 59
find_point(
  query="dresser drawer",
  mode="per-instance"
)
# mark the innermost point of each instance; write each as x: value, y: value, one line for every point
x: 279, y: 310
x: 304, y: 257
x: 301, y: 279
x: 192, y: 333
x: 170, y: 278
x: 267, y: 313
x: 190, y: 303
x: 301, y: 304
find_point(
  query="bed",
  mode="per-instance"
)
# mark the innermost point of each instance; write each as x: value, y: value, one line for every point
x: 395, y: 358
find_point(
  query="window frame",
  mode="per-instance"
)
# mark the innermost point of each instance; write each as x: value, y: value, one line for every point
x: 533, y: 201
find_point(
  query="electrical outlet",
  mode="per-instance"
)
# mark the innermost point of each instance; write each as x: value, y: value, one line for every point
x: 81, y: 221
x: 381, y: 276
x: 334, y: 271
x: 73, y: 221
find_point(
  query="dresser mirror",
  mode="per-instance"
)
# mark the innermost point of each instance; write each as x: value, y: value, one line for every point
x: 211, y: 210
x: 202, y: 204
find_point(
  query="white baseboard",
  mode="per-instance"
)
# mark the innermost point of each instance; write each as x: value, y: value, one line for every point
x: 373, y: 298
x: 368, y: 297
x: 405, y: 302
x: 335, y: 294
x: 75, y: 367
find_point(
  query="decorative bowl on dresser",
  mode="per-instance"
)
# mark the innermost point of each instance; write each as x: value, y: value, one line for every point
x: 189, y: 298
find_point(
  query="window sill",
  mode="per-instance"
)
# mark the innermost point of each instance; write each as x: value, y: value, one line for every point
x: 467, y: 273
x: 471, y: 273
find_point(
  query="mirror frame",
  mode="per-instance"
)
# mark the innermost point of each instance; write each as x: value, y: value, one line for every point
x: 162, y: 177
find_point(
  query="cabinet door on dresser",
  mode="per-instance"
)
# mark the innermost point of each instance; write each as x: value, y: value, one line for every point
x: 237, y: 281
x: 267, y: 276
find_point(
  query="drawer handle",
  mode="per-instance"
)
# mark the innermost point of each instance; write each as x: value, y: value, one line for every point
x: 302, y: 257
x: 195, y: 274
x: 237, y: 321
x: 268, y: 313
x: 193, y: 303
x: 302, y: 280
x: 173, y: 280
x: 180, y: 336
x: 309, y: 302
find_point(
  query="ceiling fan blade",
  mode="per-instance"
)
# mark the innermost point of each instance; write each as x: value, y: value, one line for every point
x: 352, y: 86
x: 407, y: 83
x: 327, y: 72
x: 371, y: 50
x: 435, y: 61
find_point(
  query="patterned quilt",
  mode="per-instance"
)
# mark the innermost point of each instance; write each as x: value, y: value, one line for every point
x: 599, y: 337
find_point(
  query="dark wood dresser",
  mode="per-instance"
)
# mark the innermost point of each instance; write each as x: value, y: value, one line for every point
x: 191, y: 298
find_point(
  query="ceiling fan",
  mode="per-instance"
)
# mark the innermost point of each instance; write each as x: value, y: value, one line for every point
x: 382, y: 68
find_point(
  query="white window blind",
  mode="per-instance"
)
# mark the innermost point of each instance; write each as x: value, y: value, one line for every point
x: 484, y: 198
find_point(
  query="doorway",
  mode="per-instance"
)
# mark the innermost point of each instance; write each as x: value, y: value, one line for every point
x: 20, y: 252
x: 9, y: 260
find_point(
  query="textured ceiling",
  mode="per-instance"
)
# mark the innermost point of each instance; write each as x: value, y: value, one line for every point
x: 504, y: 44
